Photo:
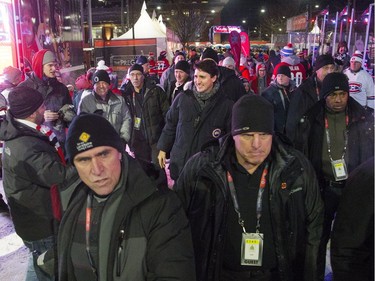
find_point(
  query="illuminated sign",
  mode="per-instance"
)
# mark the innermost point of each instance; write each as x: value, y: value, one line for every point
x: 225, y: 29
x: 297, y: 23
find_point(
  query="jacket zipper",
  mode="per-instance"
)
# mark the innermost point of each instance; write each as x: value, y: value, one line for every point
x: 119, y: 252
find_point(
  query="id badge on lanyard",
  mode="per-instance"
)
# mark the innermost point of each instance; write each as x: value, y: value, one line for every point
x: 339, y: 169
x: 252, y: 243
x: 252, y: 249
x: 137, y: 123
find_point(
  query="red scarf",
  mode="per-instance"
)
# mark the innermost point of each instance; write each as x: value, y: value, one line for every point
x: 54, y: 191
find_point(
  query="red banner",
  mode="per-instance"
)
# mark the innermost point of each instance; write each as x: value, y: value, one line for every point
x: 245, y: 44
x: 235, y: 45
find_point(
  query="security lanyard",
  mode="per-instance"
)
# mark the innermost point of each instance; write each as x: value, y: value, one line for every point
x: 329, y: 139
x: 317, y: 89
x: 262, y: 185
x: 88, y: 228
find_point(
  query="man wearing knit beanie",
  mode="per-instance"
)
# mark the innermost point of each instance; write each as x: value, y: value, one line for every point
x: 279, y: 93
x: 182, y: 75
x: 308, y: 93
x: 361, y: 83
x: 103, y: 101
x: 252, y: 169
x: 288, y: 58
x: 148, y: 225
x: 336, y: 135
x: 148, y: 107
x: 168, y: 78
x: 229, y: 63
x: 55, y: 94
x: 33, y: 167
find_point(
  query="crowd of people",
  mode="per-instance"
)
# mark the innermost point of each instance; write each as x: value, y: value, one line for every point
x: 202, y: 168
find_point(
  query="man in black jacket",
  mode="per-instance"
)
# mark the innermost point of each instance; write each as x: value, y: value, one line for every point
x: 336, y: 135
x: 308, y: 93
x: 148, y: 106
x: 279, y: 93
x: 33, y: 163
x: 55, y: 94
x: 118, y: 225
x: 197, y: 116
x: 253, y: 203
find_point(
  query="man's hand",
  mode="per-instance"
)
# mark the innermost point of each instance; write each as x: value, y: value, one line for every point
x: 50, y: 116
x: 162, y: 159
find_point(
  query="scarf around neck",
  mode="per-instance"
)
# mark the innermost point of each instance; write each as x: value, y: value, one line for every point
x: 202, y: 98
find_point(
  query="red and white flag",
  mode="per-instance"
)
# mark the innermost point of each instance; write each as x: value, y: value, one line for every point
x: 366, y: 12
x: 324, y: 12
x: 344, y: 12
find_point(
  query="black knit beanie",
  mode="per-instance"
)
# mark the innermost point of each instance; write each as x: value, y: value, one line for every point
x: 333, y: 82
x: 210, y: 53
x: 252, y: 113
x: 183, y: 65
x: 101, y: 75
x: 24, y: 101
x: 88, y: 131
x: 283, y: 69
x: 323, y: 60
x: 136, y: 67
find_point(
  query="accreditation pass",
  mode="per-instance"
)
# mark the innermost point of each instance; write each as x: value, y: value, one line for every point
x: 252, y: 249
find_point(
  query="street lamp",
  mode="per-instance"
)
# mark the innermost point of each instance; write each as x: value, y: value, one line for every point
x: 262, y: 11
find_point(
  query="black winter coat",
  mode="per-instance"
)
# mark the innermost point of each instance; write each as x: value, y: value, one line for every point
x: 296, y: 210
x: 154, y: 109
x: 352, y: 254
x: 188, y: 127
x: 31, y: 166
x: 230, y: 84
x: 149, y: 238
x: 310, y: 135
x: 55, y: 95
x: 304, y: 97
x: 279, y: 97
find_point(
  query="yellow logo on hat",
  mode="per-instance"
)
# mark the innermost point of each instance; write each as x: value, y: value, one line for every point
x: 84, y: 137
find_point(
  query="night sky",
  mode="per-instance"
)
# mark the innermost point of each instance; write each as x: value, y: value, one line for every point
x: 237, y: 10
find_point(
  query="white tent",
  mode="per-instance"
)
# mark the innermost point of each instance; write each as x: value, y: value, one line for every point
x: 316, y: 29
x: 162, y: 26
x: 145, y: 27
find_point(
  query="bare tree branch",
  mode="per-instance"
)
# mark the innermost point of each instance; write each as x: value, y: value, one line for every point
x: 186, y: 23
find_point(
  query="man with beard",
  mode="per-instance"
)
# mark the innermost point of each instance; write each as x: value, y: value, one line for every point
x: 33, y: 162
